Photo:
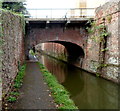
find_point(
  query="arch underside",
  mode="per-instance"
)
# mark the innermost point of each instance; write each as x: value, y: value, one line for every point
x: 75, y: 54
x: 72, y: 36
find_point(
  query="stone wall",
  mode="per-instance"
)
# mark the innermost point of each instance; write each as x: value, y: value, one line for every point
x: 12, y: 47
x: 107, y: 15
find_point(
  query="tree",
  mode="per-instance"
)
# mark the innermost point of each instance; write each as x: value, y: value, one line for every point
x: 14, y: 6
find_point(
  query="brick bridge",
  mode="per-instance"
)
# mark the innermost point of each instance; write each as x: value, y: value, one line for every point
x: 70, y: 33
x: 93, y: 56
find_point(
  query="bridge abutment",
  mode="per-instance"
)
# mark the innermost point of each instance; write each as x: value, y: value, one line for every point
x: 102, y: 58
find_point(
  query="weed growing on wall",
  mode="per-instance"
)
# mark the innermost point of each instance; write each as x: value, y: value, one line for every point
x: 97, y: 32
x: 98, y: 36
x: 109, y: 18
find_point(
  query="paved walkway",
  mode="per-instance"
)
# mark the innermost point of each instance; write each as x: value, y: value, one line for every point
x: 34, y: 92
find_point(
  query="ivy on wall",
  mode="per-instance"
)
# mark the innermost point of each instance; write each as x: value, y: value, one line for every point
x: 97, y: 32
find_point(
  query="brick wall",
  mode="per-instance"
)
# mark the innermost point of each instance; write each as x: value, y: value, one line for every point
x: 108, y: 15
x: 12, y: 48
x: 103, y: 63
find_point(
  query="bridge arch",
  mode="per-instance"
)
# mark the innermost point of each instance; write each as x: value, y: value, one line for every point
x: 73, y: 52
x: 71, y: 35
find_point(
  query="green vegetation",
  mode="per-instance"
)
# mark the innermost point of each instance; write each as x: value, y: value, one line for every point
x: 109, y: 18
x: 98, y: 32
x: 16, y: 6
x: 11, y: 99
x: 97, y: 74
x: 17, y: 84
x: 102, y: 65
x: 19, y: 78
x: 15, y: 93
x: 62, y: 56
x: 31, y: 52
x: 105, y: 49
x: 61, y: 96
x: 98, y: 35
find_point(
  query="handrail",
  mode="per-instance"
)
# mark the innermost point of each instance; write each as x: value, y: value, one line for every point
x: 60, y: 12
x: 56, y: 8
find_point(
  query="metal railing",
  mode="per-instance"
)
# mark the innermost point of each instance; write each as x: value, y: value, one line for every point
x: 61, y: 13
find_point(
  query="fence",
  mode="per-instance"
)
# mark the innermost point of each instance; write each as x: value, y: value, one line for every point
x: 61, y: 13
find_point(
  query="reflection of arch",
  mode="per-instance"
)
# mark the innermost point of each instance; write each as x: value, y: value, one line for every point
x: 75, y: 53
x: 70, y: 77
x: 74, y: 82
x: 55, y: 67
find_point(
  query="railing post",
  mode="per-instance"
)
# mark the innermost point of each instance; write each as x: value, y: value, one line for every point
x: 51, y: 12
x: 36, y: 13
x: 72, y: 13
x: 81, y: 12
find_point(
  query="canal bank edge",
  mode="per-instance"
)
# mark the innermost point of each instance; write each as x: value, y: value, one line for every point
x: 59, y: 93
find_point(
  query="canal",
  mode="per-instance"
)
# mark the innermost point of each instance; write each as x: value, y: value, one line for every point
x: 87, y: 91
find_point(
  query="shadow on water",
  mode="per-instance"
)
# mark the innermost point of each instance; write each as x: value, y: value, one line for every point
x: 87, y: 91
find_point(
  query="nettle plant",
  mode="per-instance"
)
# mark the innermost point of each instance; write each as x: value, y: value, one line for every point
x: 98, y: 32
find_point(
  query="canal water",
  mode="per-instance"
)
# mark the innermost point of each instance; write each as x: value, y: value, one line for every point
x: 87, y: 91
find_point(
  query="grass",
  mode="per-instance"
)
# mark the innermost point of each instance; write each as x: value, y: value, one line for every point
x: 11, y: 99
x: 19, y: 78
x: 13, y: 96
x: 60, y: 94
x: 15, y: 93
x: 17, y: 84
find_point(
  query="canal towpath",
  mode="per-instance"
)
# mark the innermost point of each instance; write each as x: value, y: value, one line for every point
x: 35, y: 93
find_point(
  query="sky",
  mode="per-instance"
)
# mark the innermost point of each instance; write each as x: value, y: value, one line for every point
x: 60, y: 3
x: 31, y: 4
x: 35, y: 4
x: 50, y: 3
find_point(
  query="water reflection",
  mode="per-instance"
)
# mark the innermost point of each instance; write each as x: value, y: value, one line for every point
x: 87, y: 91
